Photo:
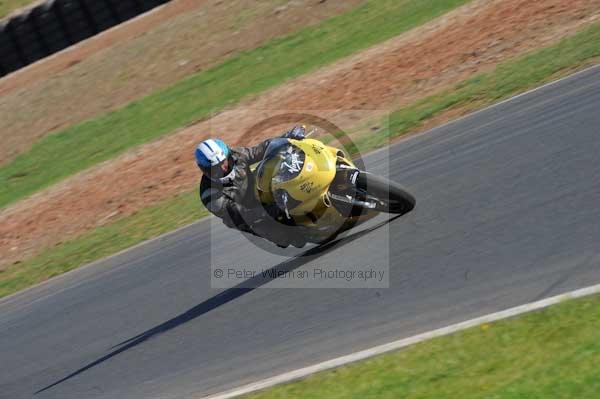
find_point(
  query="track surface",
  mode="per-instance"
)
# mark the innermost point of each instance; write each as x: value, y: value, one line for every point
x: 507, y: 213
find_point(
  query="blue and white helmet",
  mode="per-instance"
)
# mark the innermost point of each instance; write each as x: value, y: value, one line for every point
x: 210, y: 155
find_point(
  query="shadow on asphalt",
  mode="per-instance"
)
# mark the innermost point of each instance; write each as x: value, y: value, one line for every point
x: 224, y: 297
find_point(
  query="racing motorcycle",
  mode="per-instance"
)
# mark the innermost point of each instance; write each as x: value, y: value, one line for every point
x: 320, y: 191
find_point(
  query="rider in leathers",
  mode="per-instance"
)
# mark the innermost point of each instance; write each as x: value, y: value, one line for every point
x: 227, y: 188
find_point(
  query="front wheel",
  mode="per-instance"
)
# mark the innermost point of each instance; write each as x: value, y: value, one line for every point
x: 387, y: 195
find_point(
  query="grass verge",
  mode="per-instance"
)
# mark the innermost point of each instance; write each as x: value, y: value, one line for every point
x: 8, y: 6
x: 508, y: 79
x: 64, y: 153
x: 102, y: 242
x: 552, y: 353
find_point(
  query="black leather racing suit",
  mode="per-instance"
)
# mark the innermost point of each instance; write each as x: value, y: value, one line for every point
x: 236, y: 204
x: 232, y: 201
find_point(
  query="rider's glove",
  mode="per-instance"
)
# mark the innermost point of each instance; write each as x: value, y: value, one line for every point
x: 297, y: 133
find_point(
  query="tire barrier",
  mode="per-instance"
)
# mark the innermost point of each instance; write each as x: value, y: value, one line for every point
x: 54, y: 25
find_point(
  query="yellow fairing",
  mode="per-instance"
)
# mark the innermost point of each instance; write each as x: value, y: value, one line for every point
x: 311, y: 185
x: 307, y: 190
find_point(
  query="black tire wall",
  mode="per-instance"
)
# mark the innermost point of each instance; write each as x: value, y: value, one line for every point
x: 56, y: 24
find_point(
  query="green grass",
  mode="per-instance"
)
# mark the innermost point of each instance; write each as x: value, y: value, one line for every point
x: 64, y: 153
x: 102, y: 242
x: 553, y: 353
x: 8, y: 6
x: 508, y: 79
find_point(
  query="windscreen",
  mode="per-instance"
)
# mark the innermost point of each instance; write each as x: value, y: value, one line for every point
x: 289, y: 160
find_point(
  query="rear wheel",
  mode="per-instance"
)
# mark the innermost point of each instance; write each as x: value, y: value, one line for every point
x: 388, y: 196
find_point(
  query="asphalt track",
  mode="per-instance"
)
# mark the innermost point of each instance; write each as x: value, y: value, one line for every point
x: 507, y: 213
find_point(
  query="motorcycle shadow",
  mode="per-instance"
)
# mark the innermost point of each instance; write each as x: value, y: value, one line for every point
x: 225, y: 297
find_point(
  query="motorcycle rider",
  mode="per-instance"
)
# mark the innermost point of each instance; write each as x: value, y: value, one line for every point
x: 227, y: 188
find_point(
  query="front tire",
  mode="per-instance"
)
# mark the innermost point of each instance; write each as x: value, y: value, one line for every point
x: 389, y: 196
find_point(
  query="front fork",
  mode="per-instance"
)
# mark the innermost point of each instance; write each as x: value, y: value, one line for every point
x: 344, y: 193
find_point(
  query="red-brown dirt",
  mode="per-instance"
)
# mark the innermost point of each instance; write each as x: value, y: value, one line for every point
x: 135, y: 59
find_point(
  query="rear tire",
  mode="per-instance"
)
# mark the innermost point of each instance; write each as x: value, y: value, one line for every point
x: 390, y: 196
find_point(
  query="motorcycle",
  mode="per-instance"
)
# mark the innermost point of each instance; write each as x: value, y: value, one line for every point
x: 320, y: 192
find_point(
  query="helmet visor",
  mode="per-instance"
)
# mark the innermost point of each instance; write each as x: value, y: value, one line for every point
x: 221, y: 170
